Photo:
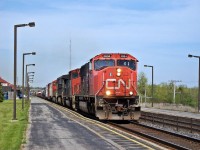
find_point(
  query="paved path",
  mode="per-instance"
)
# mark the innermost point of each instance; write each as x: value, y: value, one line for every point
x: 51, y: 130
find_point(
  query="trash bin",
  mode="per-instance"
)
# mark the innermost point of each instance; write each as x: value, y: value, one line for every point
x: 5, y: 95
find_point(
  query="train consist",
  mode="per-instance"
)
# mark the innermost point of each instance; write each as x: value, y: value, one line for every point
x: 104, y: 87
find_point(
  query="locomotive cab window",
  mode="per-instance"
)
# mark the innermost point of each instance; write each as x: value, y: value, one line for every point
x: 128, y: 63
x: 74, y: 75
x: 101, y: 64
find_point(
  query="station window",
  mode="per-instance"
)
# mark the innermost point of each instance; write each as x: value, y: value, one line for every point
x: 129, y: 63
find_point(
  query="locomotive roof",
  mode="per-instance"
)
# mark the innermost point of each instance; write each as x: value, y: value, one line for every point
x: 114, y: 55
x: 66, y: 76
x: 77, y: 69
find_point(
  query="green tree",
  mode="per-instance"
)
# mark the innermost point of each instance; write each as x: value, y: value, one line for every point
x: 142, y: 83
x: 1, y: 94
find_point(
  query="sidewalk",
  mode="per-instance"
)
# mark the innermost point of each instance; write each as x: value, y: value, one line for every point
x: 51, y: 130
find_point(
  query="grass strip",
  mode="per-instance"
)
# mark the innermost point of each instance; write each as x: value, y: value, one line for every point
x: 11, y: 131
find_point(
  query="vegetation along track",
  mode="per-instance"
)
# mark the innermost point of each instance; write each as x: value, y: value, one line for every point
x: 169, y: 139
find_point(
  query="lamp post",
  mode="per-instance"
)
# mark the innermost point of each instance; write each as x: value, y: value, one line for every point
x: 151, y: 84
x: 198, y: 102
x: 31, y: 24
x: 33, y: 53
x: 30, y: 73
x: 31, y: 76
x: 27, y: 89
x: 30, y: 80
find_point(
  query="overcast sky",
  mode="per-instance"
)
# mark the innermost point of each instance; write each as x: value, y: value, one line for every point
x: 157, y: 32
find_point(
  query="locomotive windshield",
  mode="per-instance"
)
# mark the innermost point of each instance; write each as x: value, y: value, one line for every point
x: 100, y: 64
x: 129, y: 63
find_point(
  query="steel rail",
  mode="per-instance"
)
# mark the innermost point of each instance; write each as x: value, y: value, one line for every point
x: 190, y: 124
x: 157, y: 139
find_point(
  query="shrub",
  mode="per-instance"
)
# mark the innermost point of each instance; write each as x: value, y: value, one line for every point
x: 1, y: 94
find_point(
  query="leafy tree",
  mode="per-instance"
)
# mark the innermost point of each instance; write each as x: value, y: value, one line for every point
x: 142, y: 83
x: 184, y: 95
x: 161, y: 93
x: 1, y: 94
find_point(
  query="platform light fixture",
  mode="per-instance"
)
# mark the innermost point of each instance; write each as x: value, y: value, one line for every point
x: 24, y: 54
x: 30, y: 72
x: 31, y: 75
x: 27, y: 88
x: 30, y: 24
x: 151, y: 83
x: 198, y: 102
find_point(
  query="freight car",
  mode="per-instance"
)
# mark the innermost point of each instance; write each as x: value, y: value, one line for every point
x: 47, y: 96
x: 104, y: 87
x: 52, y: 90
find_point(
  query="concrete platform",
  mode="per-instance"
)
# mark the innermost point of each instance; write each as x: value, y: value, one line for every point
x: 172, y: 112
x: 50, y: 130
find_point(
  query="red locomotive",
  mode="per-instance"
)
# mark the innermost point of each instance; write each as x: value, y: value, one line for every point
x: 62, y: 87
x: 104, y: 87
x: 51, y: 91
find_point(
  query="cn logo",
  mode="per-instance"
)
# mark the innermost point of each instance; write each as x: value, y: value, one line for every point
x: 117, y: 84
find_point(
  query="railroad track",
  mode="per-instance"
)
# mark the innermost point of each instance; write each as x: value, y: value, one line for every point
x: 169, y: 139
x: 178, y: 123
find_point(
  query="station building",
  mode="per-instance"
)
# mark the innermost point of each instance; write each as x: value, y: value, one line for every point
x: 7, y: 88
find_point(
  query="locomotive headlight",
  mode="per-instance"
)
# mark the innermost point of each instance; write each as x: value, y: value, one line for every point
x: 119, y: 74
x: 131, y: 93
x: 119, y: 70
x: 108, y: 93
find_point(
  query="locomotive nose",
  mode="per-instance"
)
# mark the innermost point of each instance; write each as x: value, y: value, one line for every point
x: 118, y: 81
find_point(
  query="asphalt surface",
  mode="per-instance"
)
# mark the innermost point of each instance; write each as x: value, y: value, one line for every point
x: 51, y: 130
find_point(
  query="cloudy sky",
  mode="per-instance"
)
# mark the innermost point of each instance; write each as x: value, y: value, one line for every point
x: 157, y: 32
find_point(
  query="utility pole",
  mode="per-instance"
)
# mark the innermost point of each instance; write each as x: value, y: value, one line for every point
x: 70, y: 54
x: 174, y: 84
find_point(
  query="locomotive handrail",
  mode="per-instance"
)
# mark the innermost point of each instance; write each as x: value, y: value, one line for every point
x: 134, y: 88
x: 76, y: 91
x: 137, y: 93
x: 98, y: 93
